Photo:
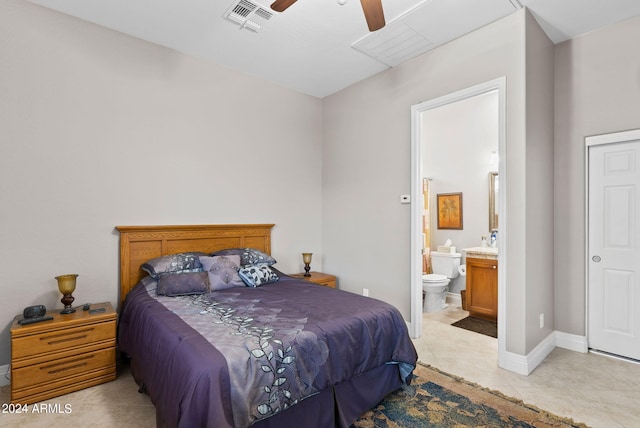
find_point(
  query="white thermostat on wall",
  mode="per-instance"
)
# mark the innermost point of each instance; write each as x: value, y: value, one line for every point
x: 405, y: 199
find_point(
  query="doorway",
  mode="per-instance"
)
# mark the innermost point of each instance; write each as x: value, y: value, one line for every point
x: 613, y: 238
x: 417, y: 174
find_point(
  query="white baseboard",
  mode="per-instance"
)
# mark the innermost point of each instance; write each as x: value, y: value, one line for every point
x: 514, y: 363
x: 525, y: 364
x: 454, y: 299
x: 4, y: 375
x: 541, y: 351
x: 572, y: 342
x: 410, y: 328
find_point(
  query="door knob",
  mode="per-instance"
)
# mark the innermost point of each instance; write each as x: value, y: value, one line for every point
x: 596, y: 259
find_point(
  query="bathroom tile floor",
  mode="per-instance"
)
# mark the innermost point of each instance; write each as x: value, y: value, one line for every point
x: 593, y: 389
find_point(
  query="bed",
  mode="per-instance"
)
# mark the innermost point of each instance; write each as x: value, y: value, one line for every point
x: 284, y: 353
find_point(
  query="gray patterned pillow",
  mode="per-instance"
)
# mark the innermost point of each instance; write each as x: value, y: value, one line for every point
x: 174, y: 263
x: 182, y: 284
x: 249, y: 256
x: 222, y: 271
x: 256, y: 275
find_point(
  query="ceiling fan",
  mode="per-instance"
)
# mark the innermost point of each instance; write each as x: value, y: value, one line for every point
x: 373, y: 12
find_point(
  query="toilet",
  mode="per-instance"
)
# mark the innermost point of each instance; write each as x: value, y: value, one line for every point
x: 445, y: 267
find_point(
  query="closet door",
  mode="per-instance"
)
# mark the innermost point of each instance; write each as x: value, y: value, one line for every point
x: 613, y: 262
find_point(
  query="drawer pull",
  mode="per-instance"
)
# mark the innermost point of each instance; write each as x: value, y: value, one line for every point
x: 66, y: 368
x: 68, y: 339
x: 57, y: 369
x: 64, y: 337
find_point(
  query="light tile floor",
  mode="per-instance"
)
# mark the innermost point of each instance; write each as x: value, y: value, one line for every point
x: 596, y: 390
x: 599, y: 391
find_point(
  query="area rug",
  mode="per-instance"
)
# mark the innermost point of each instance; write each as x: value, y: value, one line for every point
x: 438, y: 399
x: 478, y: 325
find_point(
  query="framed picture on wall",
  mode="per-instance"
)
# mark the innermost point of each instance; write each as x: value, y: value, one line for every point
x: 449, y: 210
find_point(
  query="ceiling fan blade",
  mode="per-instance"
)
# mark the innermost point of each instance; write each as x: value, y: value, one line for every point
x: 281, y: 5
x: 373, y: 13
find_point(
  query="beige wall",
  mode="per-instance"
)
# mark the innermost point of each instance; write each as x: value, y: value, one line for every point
x: 99, y: 129
x: 597, y: 91
x: 366, y: 232
x: 366, y: 155
x: 539, y: 295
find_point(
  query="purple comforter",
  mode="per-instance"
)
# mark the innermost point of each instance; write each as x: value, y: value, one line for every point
x: 237, y: 356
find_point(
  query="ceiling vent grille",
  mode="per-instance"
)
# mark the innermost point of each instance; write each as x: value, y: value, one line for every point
x: 248, y: 14
x: 394, y: 44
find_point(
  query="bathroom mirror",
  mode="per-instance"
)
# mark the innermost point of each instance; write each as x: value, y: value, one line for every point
x: 493, y: 201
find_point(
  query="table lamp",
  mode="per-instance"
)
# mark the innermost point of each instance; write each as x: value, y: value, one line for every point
x: 67, y: 285
x: 306, y: 258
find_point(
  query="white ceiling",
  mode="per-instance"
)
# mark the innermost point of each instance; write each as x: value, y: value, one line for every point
x: 308, y: 47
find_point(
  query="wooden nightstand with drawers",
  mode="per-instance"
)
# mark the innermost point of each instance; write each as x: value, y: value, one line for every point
x: 318, y: 278
x: 62, y: 355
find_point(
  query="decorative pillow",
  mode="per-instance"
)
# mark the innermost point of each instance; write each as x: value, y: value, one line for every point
x: 256, y: 275
x: 174, y: 263
x: 222, y: 271
x: 182, y: 284
x: 249, y: 256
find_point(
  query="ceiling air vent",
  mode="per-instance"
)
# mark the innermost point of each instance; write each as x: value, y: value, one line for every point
x: 394, y: 44
x: 248, y: 14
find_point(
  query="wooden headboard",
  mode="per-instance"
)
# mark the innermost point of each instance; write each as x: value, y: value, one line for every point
x: 141, y: 243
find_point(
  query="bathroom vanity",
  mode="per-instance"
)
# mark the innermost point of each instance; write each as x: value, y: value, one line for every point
x: 482, y: 282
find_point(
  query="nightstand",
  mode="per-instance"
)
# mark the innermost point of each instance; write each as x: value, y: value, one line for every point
x: 62, y: 355
x: 319, y: 278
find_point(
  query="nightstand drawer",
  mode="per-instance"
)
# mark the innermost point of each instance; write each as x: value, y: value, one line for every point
x: 328, y: 283
x: 58, y: 340
x: 318, y: 278
x: 49, y: 371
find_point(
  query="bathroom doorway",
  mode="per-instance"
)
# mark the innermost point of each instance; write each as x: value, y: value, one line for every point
x: 421, y: 130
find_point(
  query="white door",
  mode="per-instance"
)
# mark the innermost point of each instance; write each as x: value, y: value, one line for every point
x: 614, y: 246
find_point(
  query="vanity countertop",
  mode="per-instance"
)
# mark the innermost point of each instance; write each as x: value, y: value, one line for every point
x: 482, y: 252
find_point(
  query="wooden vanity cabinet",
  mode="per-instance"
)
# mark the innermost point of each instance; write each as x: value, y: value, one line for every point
x: 482, y: 288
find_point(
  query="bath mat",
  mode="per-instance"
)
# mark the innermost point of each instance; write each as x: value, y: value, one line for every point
x: 478, y: 325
